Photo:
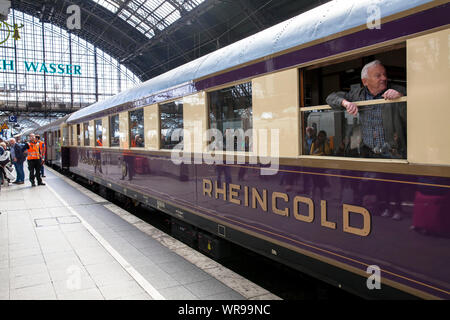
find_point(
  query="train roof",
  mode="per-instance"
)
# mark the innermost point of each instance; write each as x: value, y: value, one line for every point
x: 328, y: 19
x: 52, y: 125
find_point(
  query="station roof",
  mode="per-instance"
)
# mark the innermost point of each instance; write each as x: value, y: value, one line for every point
x: 151, y: 37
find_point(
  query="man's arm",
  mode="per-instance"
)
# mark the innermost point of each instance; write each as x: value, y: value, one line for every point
x: 339, y: 100
x: 335, y: 99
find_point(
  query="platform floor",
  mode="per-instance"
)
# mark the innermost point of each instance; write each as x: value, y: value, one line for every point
x: 61, y: 241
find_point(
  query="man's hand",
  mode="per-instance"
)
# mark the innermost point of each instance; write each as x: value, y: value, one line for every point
x: 351, y: 107
x: 392, y: 94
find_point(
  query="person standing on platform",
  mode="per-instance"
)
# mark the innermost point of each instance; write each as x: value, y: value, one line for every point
x: 42, y: 146
x: 34, y: 160
x: 18, y: 157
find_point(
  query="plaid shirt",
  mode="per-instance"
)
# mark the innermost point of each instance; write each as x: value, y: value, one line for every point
x: 372, y: 123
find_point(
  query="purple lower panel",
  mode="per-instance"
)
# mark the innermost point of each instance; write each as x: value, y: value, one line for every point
x: 156, y: 176
x: 404, y: 255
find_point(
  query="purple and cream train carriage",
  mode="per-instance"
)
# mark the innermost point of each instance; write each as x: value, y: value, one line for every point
x: 339, y: 217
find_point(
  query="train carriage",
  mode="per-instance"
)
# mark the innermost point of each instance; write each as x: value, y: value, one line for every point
x: 221, y: 143
x: 54, y: 135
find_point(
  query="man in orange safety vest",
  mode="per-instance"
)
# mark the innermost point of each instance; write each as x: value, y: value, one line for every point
x: 43, y: 153
x: 35, y: 160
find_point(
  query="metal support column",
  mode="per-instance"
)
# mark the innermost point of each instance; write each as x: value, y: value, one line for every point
x: 96, y: 73
x: 45, y: 76
x: 71, y: 77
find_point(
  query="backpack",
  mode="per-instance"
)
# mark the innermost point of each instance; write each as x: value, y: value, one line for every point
x: 5, y: 158
x: 19, y: 151
x: 10, y: 171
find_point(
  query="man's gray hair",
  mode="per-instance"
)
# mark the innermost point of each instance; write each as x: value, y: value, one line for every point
x: 365, y: 70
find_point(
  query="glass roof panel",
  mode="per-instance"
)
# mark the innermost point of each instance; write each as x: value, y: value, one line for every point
x: 108, y: 4
x: 145, y: 15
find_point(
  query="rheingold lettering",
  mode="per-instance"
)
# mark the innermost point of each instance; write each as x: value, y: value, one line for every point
x: 279, y: 203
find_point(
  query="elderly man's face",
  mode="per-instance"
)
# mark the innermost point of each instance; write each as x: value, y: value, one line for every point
x: 376, y: 80
x: 32, y: 137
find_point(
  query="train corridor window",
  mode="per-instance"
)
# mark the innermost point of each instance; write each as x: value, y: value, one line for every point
x: 65, y: 137
x: 78, y: 135
x: 171, y: 115
x: 71, y: 142
x: 356, y: 108
x: 114, y: 132
x: 86, y: 134
x: 137, y: 128
x: 58, y: 138
x: 98, y: 133
x: 230, y: 112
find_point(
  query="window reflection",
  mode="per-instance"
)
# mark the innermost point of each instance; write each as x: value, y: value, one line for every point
x: 98, y: 133
x: 137, y: 128
x: 171, y: 115
x: 65, y: 137
x: 114, y: 133
x: 230, y: 112
x: 78, y: 135
x: 71, y: 142
x: 86, y: 134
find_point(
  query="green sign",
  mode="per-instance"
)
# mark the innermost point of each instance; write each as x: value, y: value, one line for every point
x: 43, y: 67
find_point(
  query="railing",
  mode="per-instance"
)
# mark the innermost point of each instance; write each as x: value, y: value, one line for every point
x: 358, y: 103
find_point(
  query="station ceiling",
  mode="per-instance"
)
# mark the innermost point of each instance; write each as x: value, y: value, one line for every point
x: 151, y: 37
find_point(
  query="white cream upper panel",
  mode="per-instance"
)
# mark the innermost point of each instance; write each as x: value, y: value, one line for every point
x: 428, y: 98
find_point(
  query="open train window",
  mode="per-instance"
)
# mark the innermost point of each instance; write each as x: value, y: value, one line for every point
x: 230, y: 113
x: 98, y: 133
x: 86, y: 134
x: 171, y: 115
x: 372, y: 126
x: 137, y: 128
x: 114, y: 132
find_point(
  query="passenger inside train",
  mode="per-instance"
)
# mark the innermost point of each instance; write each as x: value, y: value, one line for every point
x: 375, y: 130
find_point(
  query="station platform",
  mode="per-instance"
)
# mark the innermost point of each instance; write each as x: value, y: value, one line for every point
x: 62, y: 241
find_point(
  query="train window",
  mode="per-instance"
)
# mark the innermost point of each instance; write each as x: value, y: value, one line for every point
x: 114, y: 132
x: 65, y: 137
x: 171, y: 115
x: 372, y: 126
x: 71, y: 142
x: 137, y: 128
x: 230, y: 112
x: 78, y: 135
x: 98, y: 133
x: 86, y: 134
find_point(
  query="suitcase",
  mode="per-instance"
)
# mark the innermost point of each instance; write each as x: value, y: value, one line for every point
x: 432, y: 213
